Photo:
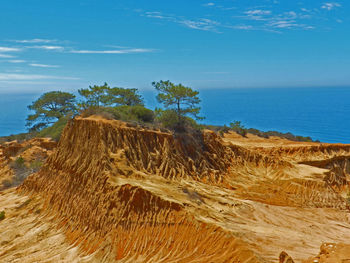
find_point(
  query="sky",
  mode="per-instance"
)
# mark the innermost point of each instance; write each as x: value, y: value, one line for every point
x: 67, y: 45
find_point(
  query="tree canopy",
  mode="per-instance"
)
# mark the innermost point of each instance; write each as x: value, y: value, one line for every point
x: 121, y: 96
x: 94, y: 96
x: 49, y: 108
x: 178, y: 98
x: 97, y: 96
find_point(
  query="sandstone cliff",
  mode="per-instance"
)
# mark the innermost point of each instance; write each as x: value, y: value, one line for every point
x: 127, y: 194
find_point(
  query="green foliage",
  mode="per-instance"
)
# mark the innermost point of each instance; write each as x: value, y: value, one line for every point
x: 137, y: 113
x: 2, y: 215
x: 55, y: 130
x: 104, y: 96
x: 169, y: 119
x: 49, y: 108
x: 35, y: 165
x: 120, y: 96
x: 258, y: 133
x: 237, y: 127
x: 143, y: 114
x: 18, y: 164
x: 178, y: 99
x: 18, y: 137
x: 94, y: 96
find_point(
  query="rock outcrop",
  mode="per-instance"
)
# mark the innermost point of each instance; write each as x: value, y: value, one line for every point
x: 124, y: 222
x: 128, y: 194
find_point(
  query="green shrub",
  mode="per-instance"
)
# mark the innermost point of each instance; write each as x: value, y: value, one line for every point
x: 237, y: 127
x: 55, y: 130
x: 35, y: 166
x: 142, y: 113
x: 136, y: 113
x: 18, y: 164
x: 2, y: 215
x: 168, y: 119
x: 21, y: 171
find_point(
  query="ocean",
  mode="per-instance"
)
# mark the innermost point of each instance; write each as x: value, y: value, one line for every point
x: 321, y: 113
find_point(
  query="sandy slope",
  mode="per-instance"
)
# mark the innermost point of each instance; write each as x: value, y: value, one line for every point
x: 28, y: 236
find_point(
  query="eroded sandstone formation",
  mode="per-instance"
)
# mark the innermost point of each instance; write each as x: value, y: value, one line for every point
x: 128, y: 194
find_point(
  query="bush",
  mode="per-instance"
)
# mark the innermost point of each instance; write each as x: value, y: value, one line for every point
x: 237, y: 127
x: 2, y: 215
x: 142, y: 113
x: 18, y: 164
x: 136, y: 113
x: 35, y: 166
x: 55, y: 130
x: 21, y: 171
x: 169, y: 119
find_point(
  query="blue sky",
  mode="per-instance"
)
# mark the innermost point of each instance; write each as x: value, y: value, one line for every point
x: 66, y: 45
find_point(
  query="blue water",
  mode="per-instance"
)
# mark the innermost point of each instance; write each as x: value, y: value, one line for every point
x: 322, y: 113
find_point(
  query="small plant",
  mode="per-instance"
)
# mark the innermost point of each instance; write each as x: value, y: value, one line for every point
x: 237, y: 127
x: 18, y: 164
x: 21, y: 171
x: 2, y: 215
x: 35, y: 166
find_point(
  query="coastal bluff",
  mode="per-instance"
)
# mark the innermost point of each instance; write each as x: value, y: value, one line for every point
x: 112, y: 192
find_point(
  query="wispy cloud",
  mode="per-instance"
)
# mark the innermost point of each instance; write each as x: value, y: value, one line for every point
x: 45, y: 47
x: 267, y: 17
x: 10, y: 77
x: 43, y: 65
x: 258, y: 12
x: 35, y: 41
x: 9, y: 49
x: 270, y: 21
x: 16, y: 61
x: 6, y: 56
x: 119, y: 51
x: 203, y: 24
x: 330, y: 6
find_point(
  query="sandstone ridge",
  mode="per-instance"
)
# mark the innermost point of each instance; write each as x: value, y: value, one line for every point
x: 126, y: 194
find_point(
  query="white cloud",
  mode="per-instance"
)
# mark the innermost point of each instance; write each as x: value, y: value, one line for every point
x: 16, y: 61
x: 209, y: 4
x: 258, y: 12
x: 242, y: 27
x: 9, y: 49
x: 47, y: 47
x: 283, y: 24
x: 6, y: 56
x: 35, y: 40
x: 43, y: 65
x: 330, y: 6
x: 10, y: 77
x: 201, y: 24
x: 120, y: 51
